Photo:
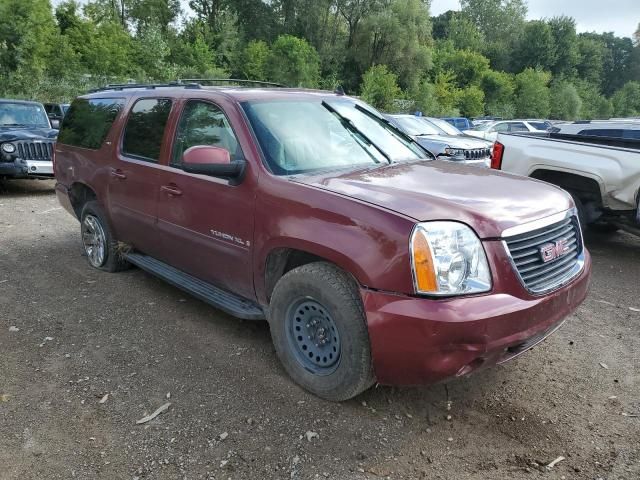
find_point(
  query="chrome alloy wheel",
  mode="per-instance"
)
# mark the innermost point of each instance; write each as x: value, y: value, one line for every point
x: 94, y: 240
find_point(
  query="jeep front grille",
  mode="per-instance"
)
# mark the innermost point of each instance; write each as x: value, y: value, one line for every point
x: 477, y: 153
x: 527, y: 251
x: 29, y: 150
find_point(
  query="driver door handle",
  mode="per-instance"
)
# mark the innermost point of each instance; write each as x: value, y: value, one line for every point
x: 117, y: 173
x: 172, y: 190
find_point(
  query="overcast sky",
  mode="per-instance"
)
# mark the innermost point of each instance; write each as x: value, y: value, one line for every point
x: 618, y: 16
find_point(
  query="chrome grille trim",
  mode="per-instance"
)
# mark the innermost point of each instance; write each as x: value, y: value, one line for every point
x: 523, y: 245
x: 29, y: 150
x: 477, y: 153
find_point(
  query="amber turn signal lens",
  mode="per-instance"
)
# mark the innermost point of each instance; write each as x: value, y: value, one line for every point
x: 423, y: 264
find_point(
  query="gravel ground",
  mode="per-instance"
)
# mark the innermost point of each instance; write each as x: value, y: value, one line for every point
x: 70, y: 336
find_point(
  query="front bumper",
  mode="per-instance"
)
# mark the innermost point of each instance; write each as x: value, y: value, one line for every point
x: 20, y: 168
x: 421, y: 341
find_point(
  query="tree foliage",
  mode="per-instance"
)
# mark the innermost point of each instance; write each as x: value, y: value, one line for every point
x: 484, y: 59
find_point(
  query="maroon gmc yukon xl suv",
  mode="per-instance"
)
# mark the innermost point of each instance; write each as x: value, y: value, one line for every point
x: 371, y: 261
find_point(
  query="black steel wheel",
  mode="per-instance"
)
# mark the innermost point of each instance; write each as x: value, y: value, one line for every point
x: 320, y: 333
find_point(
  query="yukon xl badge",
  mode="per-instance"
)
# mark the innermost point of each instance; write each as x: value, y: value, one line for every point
x: 551, y: 251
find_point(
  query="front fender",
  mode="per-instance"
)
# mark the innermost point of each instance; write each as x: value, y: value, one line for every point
x: 370, y: 243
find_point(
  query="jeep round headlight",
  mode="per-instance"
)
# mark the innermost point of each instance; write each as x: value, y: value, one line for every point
x: 448, y: 259
x: 8, y: 147
x: 454, y: 152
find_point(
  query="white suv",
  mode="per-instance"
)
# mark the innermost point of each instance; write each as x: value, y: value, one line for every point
x: 489, y: 131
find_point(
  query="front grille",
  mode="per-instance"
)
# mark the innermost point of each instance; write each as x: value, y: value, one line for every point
x: 29, y: 150
x: 477, y: 153
x: 526, y: 250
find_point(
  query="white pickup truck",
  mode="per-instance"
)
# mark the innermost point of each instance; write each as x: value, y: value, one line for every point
x: 602, y: 174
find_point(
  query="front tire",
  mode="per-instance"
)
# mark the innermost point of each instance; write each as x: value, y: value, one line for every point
x: 319, y: 331
x: 99, y: 244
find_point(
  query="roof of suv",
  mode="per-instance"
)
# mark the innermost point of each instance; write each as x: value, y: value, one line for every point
x: 238, y: 93
x: 23, y: 102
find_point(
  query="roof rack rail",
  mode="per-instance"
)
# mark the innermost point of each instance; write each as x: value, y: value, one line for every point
x: 148, y: 86
x: 239, y: 81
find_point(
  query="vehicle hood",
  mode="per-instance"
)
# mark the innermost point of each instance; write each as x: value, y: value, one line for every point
x: 12, y: 134
x: 454, y: 141
x: 487, y: 200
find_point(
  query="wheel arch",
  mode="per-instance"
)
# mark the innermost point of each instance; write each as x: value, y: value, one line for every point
x: 584, y: 187
x: 79, y: 194
x: 283, y: 259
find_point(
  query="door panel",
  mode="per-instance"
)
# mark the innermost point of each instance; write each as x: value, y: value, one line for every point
x: 134, y: 176
x: 206, y: 224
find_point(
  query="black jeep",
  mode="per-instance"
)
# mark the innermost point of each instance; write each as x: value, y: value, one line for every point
x: 26, y: 140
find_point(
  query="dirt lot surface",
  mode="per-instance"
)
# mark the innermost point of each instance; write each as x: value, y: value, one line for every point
x: 70, y: 336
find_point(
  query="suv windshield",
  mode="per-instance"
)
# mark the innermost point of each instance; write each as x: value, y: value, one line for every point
x: 306, y: 135
x: 416, y: 126
x: 444, y: 126
x: 23, y: 115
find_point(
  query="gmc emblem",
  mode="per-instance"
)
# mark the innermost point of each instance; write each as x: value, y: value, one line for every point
x: 551, y: 251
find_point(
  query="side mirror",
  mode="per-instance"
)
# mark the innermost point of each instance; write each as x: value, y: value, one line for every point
x: 212, y: 161
x: 55, y: 124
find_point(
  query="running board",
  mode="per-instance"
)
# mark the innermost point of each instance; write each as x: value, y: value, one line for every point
x: 221, y: 299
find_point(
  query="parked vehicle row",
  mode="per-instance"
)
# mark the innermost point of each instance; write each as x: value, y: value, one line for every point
x: 444, y: 141
x: 372, y: 261
x: 489, y: 131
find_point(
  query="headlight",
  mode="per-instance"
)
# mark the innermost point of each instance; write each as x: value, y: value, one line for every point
x: 448, y: 259
x: 454, y: 152
x: 8, y: 147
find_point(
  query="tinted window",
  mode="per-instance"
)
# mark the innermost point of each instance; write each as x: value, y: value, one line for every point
x: 518, y: 127
x: 88, y: 121
x: 539, y: 125
x: 635, y: 134
x: 602, y: 132
x: 145, y: 128
x: 203, y: 123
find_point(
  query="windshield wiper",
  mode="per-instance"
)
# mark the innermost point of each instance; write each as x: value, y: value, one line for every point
x: 390, y: 126
x: 14, y: 125
x: 348, y: 124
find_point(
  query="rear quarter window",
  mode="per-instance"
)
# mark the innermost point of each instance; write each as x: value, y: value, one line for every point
x: 145, y: 128
x: 88, y: 122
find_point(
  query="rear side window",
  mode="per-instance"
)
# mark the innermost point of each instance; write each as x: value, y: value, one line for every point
x: 602, y: 132
x: 87, y: 122
x: 633, y: 134
x: 145, y: 128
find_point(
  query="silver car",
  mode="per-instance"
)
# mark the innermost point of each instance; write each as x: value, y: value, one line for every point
x: 444, y: 140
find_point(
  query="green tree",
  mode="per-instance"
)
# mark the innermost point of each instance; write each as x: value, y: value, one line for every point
x: 397, y: 36
x: 590, y: 63
x: 500, y: 21
x: 27, y: 29
x: 566, y: 103
x: 536, y: 47
x: 254, y: 60
x: 563, y: 29
x: 471, y: 102
x: 626, y: 101
x: 446, y: 92
x: 292, y: 61
x: 465, y: 35
x: 499, y: 89
x: 380, y: 87
x: 532, y: 93
x: 467, y: 66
